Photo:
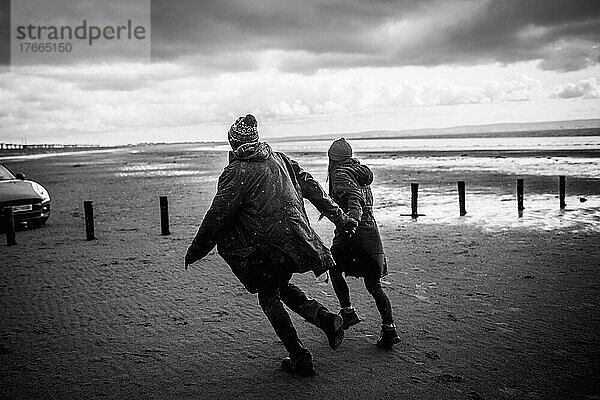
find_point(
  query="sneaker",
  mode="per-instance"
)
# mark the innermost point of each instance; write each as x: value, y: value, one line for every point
x: 302, y: 366
x: 332, y: 326
x: 349, y: 317
x: 388, y: 337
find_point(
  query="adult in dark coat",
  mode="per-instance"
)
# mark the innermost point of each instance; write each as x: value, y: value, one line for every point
x: 258, y: 222
x: 361, y: 254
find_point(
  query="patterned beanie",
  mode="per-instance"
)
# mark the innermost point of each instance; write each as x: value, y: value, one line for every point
x: 244, y: 130
x: 339, y: 150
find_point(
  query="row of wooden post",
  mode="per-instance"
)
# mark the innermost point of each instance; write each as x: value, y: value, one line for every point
x: 414, y: 188
x: 88, y: 207
x: 414, y: 199
x: 164, y: 209
x: 89, y: 218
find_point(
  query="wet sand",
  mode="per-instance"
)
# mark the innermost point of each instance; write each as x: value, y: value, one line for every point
x: 482, y: 313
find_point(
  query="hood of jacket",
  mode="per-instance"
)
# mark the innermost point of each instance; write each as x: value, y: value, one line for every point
x: 257, y: 151
x: 361, y: 173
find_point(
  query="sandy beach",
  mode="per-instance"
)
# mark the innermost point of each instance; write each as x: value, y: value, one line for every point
x: 485, y: 311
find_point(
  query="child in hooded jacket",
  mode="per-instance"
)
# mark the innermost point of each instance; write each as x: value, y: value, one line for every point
x: 360, y: 254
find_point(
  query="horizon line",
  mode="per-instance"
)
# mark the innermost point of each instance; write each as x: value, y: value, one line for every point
x: 436, y: 133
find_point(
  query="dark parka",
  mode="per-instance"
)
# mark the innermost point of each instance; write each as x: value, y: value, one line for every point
x: 362, y: 254
x: 258, y: 221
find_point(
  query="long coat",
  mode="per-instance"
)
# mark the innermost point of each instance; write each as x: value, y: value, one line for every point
x: 361, y: 254
x: 258, y: 221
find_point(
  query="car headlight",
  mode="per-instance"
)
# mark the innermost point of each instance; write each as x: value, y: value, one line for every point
x: 41, y: 191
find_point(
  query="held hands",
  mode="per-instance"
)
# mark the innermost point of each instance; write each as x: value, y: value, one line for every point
x: 349, y: 228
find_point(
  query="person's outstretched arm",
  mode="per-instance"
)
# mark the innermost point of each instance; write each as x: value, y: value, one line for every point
x: 225, y: 204
x: 312, y: 191
x: 345, y: 187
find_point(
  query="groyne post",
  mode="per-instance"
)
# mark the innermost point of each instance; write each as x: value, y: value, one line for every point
x: 414, y: 189
x: 520, y: 206
x: 164, y: 215
x: 89, y: 219
x: 461, y: 198
x: 561, y: 190
x: 10, y: 227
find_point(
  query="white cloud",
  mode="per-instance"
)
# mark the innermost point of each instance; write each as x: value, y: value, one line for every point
x: 586, y: 88
x: 56, y: 103
x: 521, y: 88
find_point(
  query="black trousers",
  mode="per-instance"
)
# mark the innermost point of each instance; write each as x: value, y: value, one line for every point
x: 373, y: 285
x: 275, y: 291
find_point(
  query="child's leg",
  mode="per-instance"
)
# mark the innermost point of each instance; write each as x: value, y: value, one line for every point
x: 342, y: 292
x: 340, y: 287
x: 374, y: 288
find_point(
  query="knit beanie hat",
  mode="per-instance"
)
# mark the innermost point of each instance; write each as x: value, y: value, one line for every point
x: 339, y: 150
x: 244, y: 130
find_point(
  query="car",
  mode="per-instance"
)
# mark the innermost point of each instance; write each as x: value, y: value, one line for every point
x: 30, y: 201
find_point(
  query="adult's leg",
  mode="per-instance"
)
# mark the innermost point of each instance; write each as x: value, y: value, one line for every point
x: 293, y: 297
x: 313, y: 311
x: 373, y: 285
x: 340, y: 287
x: 269, y: 298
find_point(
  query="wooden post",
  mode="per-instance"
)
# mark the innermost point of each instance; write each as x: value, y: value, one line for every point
x: 89, y: 219
x: 461, y: 198
x: 520, y: 207
x: 164, y: 215
x: 561, y: 189
x: 10, y: 227
x: 414, y: 189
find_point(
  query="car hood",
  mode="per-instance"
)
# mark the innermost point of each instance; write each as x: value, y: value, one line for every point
x: 16, y: 189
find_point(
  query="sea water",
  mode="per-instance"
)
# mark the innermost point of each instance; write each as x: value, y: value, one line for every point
x: 488, y: 204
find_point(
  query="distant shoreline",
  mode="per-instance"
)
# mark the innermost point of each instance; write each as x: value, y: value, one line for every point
x: 33, y: 151
x: 582, y: 132
x: 578, y: 127
x: 481, y: 153
x: 481, y: 135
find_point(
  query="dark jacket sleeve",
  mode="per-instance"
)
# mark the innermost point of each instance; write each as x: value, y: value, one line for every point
x: 226, y: 203
x: 312, y: 191
x: 346, y: 188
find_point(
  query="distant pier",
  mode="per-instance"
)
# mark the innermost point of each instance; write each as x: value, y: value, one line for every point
x: 46, y: 146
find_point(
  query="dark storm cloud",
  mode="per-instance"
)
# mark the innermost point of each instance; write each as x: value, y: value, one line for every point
x: 186, y: 27
x: 4, y: 32
x: 71, y: 13
x: 324, y: 33
x: 514, y: 30
x: 231, y: 35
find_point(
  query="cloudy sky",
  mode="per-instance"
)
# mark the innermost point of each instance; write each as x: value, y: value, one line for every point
x: 315, y: 66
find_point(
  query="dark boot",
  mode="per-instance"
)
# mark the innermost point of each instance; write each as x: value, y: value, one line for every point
x: 299, y: 364
x: 388, y: 337
x: 349, y: 317
x: 331, y: 324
